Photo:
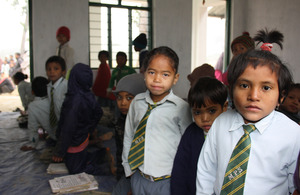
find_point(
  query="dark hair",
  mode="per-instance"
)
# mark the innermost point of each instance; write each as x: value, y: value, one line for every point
x: 19, y: 76
x: 57, y: 59
x: 39, y: 86
x: 163, y: 50
x: 207, y: 89
x: 121, y: 53
x: 292, y: 87
x: 256, y: 58
x: 103, y: 52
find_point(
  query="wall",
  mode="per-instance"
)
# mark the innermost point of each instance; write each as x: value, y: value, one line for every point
x: 47, y: 17
x: 172, y: 27
x: 254, y: 15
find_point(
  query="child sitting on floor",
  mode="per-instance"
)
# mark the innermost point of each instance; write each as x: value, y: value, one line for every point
x: 38, y: 113
x: 79, y: 116
x: 207, y: 98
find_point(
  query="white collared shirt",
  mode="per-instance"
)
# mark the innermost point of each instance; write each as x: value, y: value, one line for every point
x: 60, y: 90
x: 165, y: 126
x: 274, y: 149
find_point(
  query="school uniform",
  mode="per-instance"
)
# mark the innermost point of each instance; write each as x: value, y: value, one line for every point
x: 165, y: 126
x: 183, y: 180
x: 38, y: 117
x: 24, y: 89
x: 67, y: 53
x: 273, y: 154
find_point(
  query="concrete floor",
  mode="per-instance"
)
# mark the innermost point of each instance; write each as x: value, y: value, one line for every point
x: 10, y: 101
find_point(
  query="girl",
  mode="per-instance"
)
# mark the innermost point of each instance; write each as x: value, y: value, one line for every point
x: 24, y: 89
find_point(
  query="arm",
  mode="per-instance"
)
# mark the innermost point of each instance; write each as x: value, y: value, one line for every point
x: 186, y: 118
x: 69, y: 57
x: 22, y: 93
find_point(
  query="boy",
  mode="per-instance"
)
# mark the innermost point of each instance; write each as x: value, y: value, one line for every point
x: 120, y: 71
x: 268, y: 141
x: 151, y: 141
x: 140, y: 44
x: 291, y: 103
x: 127, y: 88
x: 207, y: 98
x: 57, y: 87
x: 63, y: 36
x: 38, y: 113
x: 102, y: 80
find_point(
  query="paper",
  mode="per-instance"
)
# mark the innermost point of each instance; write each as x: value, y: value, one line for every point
x: 57, y: 168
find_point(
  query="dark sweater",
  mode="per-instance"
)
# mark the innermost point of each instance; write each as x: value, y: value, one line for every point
x: 184, y: 173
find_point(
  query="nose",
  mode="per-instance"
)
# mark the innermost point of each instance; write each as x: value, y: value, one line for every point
x: 254, y: 94
x: 123, y: 101
x: 157, y: 78
x: 205, y: 117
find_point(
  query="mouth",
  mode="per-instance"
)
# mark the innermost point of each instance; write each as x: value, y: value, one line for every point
x: 206, y: 127
x: 253, y: 108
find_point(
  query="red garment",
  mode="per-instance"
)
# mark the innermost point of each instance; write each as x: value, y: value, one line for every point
x: 102, y: 80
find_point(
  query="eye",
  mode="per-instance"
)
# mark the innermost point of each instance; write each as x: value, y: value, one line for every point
x: 151, y: 72
x: 166, y: 75
x: 212, y: 111
x: 266, y: 88
x: 119, y: 97
x: 129, y: 98
x: 196, y: 112
x: 244, y: 86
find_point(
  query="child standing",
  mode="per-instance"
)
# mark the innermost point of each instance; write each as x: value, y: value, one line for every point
x: 291, y: 103
x: 79, y: 116
x: 127, y: 88
x: 150, y: 167
x: 57, y: 87
x: 207, y: 98
x: 63, y: 36
x: 38, y: 113
x: 24, y: 89
x: 102, y: 80
x: 268, y: 141
x: 140, y: 44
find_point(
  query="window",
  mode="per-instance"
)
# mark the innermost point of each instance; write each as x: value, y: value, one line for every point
x: 114, y: 24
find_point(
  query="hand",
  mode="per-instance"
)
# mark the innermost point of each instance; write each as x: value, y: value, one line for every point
x: 57, y: 159
x: 26, y: 148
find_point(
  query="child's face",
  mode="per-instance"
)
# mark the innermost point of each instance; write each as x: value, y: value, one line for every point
x: 205, y: 115
x: 121, y: 60
x: 292, y: 102
x: 62, y: 39
x: 123, y: 101
x: 238, y: 48
x: 54, y: 71
x: 103, y: 58
x: 256, y: 93
x: 160, y: 76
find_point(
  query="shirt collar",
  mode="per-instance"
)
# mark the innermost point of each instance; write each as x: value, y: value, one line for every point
x: 56, y: 83
x: 261, y: 125
x: 170, y: 98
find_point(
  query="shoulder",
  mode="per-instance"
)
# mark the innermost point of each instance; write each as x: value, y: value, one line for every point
x: 178, y: 101
x: 280, y: 120
x: 193, y: 130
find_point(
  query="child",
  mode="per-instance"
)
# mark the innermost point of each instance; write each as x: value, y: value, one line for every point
x: 239, y: 45
x: 102, y: 80
x: 63, y: 36
x: 167, y: 122
x: 201, y: 71
x: 140, y: 44
x: 24, y: 89
x: 57, y: 87
x: 291, y: 103
x: 79, y: 116
x: 256, y: 82
x: 38, y: 113
x: 207, y: 98
x: 127, y: 88
x: 120, y: 71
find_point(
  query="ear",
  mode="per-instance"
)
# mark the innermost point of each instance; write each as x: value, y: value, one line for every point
x: 225, y: 106
x: 176, y: 77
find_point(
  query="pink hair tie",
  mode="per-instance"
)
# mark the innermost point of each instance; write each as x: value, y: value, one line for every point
x: 266, y: 47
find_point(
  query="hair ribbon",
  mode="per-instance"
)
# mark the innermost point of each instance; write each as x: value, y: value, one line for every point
x: 266, y: 47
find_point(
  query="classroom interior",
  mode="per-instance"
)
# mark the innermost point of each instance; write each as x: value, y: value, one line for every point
x: 179, y: 24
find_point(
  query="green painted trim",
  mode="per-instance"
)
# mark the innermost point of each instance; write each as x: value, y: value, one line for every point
x: 30, y: 39
x: 227, y: 35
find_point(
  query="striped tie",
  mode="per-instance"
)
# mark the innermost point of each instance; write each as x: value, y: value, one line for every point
x: 52, y: 116
x: 136, y: 153
x: 234, y: 179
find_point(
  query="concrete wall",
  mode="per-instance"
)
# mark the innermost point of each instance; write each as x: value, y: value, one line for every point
x: 254, y: 15
x: 47, y: 17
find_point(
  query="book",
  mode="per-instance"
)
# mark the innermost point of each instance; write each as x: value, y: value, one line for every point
x: 73, y: 183
x: 57, y: 168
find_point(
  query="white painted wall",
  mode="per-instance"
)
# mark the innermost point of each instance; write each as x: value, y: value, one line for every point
x: 48, y: 16
x: 254, y: 15
x: 172, y: 27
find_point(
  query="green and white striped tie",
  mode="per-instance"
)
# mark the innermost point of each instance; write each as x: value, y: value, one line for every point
x: 136, y: 153
x: 234, y: 179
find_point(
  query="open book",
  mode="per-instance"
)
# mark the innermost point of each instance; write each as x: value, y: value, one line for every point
x: 73, y: 183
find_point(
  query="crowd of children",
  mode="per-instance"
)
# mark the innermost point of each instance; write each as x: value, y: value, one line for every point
x: 166, y: 145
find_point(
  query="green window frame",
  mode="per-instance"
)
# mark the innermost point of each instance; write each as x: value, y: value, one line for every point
x: 114, y: 24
